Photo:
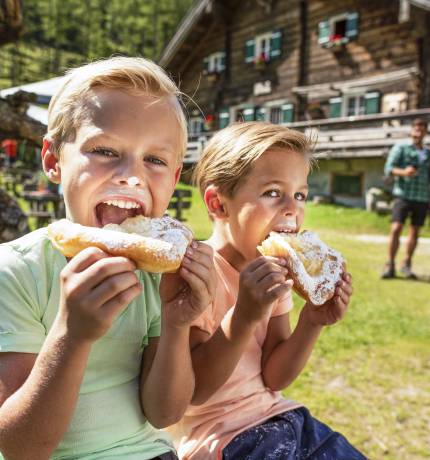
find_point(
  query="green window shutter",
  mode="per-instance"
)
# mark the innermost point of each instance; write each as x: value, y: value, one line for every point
x: 250, y: 50
x: 249, y: 114
x: 260, y: 114
x: 221, y: 67
x: 352, y: 25
x: 206, y: 62
x: 276, y: 44
x: 287, y: 113
x: 371, y: 102
x: 323, y: 32
x: 335, y: 107
x: 224, y: 118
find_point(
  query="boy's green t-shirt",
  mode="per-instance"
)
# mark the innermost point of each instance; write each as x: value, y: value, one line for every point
x: 108, y: 422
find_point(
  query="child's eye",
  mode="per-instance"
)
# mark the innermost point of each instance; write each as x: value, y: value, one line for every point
x: 272, y: 193
x: 300, y: 196
x: 155, y: 160
x: 105, y: 152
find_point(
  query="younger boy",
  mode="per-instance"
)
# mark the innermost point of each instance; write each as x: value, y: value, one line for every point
x: 83, y: 373
x: 253, y: 177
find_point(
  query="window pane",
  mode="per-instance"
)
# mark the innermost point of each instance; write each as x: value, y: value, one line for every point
x: 351, y: 106
x: 346, y: 185
x: 275, y: 115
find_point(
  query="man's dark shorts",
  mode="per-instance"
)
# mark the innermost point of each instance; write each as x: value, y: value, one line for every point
x: 403, y: 208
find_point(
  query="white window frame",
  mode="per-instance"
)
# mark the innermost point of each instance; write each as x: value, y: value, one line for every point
x: 215, y: 60
x: 258, y: 49
x: 332, y: 22
x: 193, y: 123
x: 278, y: 103
x: 357, y: 93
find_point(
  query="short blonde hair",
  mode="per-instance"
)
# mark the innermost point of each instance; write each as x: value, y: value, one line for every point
x: 228, y: 157
x: 131, y: 74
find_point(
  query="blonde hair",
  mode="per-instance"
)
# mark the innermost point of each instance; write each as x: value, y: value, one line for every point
x: 228, y: 157
x: 131, y: 74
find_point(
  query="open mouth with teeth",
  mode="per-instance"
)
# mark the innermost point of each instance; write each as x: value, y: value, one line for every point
x: 116, y: 211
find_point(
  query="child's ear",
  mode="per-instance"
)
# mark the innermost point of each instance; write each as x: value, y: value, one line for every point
x: 50, y: 163
x: 178, y: 174
x: 214, y: 202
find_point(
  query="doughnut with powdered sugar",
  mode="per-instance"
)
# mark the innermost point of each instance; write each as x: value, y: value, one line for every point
x: 314, y: 267
x: 156, y: 245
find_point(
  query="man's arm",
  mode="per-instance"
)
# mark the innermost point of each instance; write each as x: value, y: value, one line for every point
x: 393, y: 166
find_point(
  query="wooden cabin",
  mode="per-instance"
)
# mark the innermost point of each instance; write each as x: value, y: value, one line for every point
x: 354, y: 72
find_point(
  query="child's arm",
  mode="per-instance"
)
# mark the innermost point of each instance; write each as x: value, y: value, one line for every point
x: 167, y: 381
x: 38, y: 394
x: 261, y: 283
x: 285, y: 354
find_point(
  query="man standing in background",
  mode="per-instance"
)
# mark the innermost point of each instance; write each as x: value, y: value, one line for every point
x: 409, y: 164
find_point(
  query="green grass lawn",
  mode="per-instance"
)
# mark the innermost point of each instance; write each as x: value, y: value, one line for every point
x: 369, y: 375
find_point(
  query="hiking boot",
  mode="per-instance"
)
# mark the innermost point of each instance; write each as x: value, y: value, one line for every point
x: 388, y: 272
x: 407, y: 272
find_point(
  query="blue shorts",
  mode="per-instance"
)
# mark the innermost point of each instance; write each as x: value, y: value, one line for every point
x: 292, y: 435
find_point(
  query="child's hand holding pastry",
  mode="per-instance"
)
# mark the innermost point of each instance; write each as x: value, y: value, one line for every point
x: 187, y: 293
x: 334, y: 309
x: 261, y: 283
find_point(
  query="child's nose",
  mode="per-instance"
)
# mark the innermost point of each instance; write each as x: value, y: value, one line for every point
x: 289, y: 207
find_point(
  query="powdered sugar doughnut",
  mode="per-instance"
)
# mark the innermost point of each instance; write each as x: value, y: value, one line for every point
x: 156, y: 245
x: 314, y: 267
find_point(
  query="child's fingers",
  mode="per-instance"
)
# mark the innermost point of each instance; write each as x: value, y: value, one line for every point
x: 271, y: 279
x: 262, y: 260
x: 204, y: 273
x: 103, y: 269
x: 85, y: 258
x: 112, y: 287
x: 345, y: 287
x: 116, y: 304
x: 197, y: 285
x: 201, y: 257
x: 266, y: 269
x: 278, y: 292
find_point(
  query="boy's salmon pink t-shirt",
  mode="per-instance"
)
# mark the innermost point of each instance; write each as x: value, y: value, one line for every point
x: 243, y: 401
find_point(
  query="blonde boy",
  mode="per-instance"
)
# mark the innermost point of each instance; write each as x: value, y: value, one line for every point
x: 253, y: 177
x: 83, y: 371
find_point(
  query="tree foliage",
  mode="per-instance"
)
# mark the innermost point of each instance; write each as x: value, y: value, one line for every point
x: 60, y: 34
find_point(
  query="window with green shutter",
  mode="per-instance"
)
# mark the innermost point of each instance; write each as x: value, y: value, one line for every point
x: 221, y: 65
x: 351, y: 25
x: 249, y: 114
x: 224, y: 118
x: 276, y: 44
x: 372, y: 102
x: 338, y: 30
x: 250, y: 50
x: 206, y: 63
x: 260, y: 114
x: 324, y: 32
x: 287, y: 113
x: 335, y: 107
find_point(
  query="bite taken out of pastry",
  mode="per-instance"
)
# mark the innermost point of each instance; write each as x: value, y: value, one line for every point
x: 314, y: 267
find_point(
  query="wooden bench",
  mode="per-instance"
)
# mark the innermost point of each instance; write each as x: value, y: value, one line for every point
x: 181, y: 199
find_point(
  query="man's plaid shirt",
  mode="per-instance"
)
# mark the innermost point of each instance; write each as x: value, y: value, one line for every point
x: 415, y: 188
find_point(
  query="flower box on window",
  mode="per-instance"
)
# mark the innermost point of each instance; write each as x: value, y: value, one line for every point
x: 209, y: 123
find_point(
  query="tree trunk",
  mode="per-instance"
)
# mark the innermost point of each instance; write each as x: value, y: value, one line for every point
x: 14, y: 122
x: 10, y: 20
